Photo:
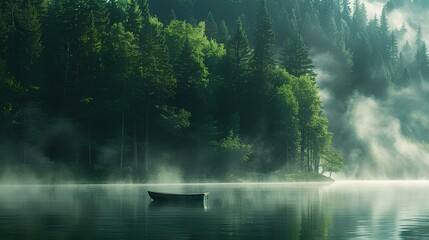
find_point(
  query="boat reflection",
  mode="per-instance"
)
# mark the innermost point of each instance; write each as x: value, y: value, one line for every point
x: 179, y: 205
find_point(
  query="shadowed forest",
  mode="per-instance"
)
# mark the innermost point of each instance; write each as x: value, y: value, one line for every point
x: 227, y: 89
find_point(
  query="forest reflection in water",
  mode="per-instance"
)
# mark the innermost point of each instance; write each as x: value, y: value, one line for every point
x: 342, y: 210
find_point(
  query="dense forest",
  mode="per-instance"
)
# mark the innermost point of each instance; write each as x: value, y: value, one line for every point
x: 209, y: 89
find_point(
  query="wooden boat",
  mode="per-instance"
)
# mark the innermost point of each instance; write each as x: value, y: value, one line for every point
x: 177, y: 197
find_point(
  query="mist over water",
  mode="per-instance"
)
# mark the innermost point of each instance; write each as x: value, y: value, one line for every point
x: 342, y: 210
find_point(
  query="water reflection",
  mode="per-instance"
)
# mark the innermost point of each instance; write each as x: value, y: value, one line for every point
x: 201, y: 205
x: 261, y: 211
x: 416, y: 228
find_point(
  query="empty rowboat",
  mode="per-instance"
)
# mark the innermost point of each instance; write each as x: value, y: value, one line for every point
x: 177, y: 197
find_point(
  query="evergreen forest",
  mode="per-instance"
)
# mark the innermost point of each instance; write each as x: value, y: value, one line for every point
x: 212, y: 90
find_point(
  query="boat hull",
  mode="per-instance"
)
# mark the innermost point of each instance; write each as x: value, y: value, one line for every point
x: 174, y: 197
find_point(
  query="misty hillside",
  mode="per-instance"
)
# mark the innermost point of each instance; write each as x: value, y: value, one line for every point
x: 207, y: 89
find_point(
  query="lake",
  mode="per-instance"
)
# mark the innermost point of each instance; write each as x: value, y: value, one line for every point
x: 341, y: 210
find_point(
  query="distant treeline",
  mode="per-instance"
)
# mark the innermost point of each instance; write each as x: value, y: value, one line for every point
x: 118, y: 85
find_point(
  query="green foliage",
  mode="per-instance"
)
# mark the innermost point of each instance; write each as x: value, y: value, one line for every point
x: 233, y: 144
x: 285, y: 123
x: 346, y: 11
x: 239, y: 52
x: 359, y: 18
x: 236, y: 70
x: 422, y: 60
x: 156, y: 70
x: 190, y: 71
x: 306, y: 95
x: 295, y: 58
x: 309, y: 106
x: 223, y: 34
x: 320, y: 139
x: 140, y: 84
x: 279, y: 76
x: 332, y: 161
x: 10, y: 91
x: 121, y: 52
x: 178, y: 32
x: 179, y: 118
x: 211, y: 29
x: 87, y: 100
x: 134, y: 19
x: 264, y: 40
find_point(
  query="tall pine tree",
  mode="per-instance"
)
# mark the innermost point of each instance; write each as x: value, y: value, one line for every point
x: 264, y: 41
x: 156, y: 81
x: 262, y: 63
x: 422, y: 60
x: 295, y: 57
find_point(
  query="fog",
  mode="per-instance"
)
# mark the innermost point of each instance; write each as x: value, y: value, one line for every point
x: 382, y: 136
x: 342, y: 210
x: 393, y: 154
x: 374, y: 7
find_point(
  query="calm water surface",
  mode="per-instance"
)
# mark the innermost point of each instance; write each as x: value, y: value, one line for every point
x: 343, y: 210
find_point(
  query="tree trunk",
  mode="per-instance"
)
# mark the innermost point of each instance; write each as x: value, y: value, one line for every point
x: 135, y: 129
x: 146, y: 145
x: 316, y: 157
x: 66, y: 73
x: 135, y: 145
x: 90, y: 146
x: 25, y: 155
x: 287, y: 155
x: 308, y: 152
x: 302, y: 149
x: 122, y: 140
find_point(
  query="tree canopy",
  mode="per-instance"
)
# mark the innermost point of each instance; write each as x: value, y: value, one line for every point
x: 131, y: 85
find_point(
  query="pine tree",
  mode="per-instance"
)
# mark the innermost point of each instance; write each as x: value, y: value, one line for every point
x: 10, y: 93
x: 120, y: 60
x: 359, y: 18
x: 264, y: 40
x: 384, y: 25
x: 134, y: 18
x: 173, y: 15
x: 327, y: 10
x: 190, y: 74
x: 422, y: 60
x: 419, y: 37
x: 236, y: 73
x: 193, y: 94
x: 116, y: 13
x: 94, y: 19
x: 23, y: 47
x: 385, y: 44
x: 392, y: 49
x: 239, y: 52
x: 155, y: 68
x: 223, y: 33
x: 21, y: 51
x: 402, y: 77
x: 295, y: 58
x: 262, y: 63
x: 156, y: 82
x: 346, y: 12
x: 211, y: 27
